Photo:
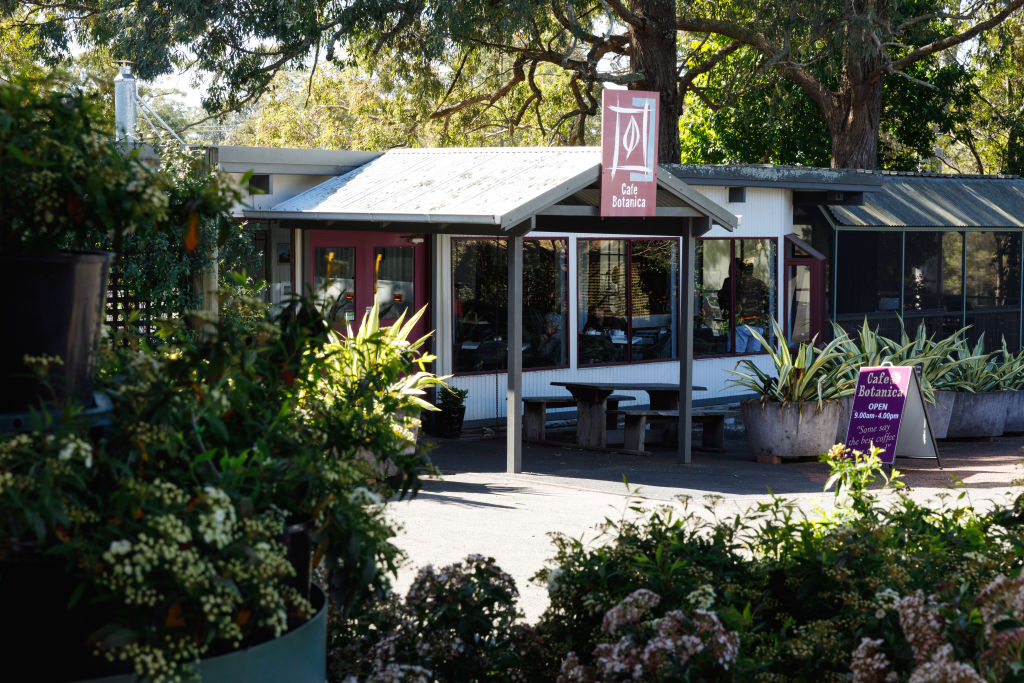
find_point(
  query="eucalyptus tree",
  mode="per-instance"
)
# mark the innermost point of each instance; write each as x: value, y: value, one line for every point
x: 838, y: 52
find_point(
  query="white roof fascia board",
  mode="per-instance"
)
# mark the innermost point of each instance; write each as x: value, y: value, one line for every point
x: 713, y: 210
x: 289, y: 161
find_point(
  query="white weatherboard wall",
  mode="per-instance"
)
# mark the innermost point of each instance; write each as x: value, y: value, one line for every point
x: 767, y: 213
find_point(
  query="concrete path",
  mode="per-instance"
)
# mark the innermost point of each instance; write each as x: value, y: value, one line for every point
x: 475, y: 507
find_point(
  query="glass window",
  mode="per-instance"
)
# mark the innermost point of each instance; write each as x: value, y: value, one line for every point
x: 799, y: 324
x: 480, y: 304
x: 933, y: 282
x: 602, y: 301
x: 993, y: 288
x: 868, y: 280
x: 653, y: 312
x: 734, y: 285
x: 628, y: 300
x: 334, y: 277
x: 393, y: 286
x: 545, y: 303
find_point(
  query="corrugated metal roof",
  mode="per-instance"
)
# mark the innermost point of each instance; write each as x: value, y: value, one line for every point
x: 938, y: 201
x: 497, y: 186
x: 769, y: 175
x: 500, y: 186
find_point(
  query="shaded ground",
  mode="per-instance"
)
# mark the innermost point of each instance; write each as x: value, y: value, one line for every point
x: 476, y: 507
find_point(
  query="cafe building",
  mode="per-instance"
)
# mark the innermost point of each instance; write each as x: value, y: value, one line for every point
x: 601, y: 299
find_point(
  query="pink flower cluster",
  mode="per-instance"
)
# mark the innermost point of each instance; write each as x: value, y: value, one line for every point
x: 870, y: 665
x: 654, y: 649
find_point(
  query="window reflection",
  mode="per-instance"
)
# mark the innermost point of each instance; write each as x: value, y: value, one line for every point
x: 735, y: 293
x: 933, y: 281
x: 619, y: 323
x: 334, y: 277
x: 993, y: 287
x: 393, y: 280
x: 479, y: 275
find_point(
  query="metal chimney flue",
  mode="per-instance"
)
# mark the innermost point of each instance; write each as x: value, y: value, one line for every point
x: 125, y: 114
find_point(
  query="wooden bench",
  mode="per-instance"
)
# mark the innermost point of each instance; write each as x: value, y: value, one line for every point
x: 535, y: 412
x: 712, y: 437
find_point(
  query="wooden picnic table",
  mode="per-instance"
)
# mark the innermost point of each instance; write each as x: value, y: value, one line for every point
x: 591, y: 404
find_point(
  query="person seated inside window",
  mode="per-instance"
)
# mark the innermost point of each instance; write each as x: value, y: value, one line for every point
x: 599, y: 322
x: 751, y: 313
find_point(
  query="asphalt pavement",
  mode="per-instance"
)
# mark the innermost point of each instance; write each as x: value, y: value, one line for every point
x: 475, y: 506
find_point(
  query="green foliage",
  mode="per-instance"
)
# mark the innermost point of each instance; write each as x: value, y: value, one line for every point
x: 801, y: 594
x: 457, y: 623
x: 65, y: 185
x: 214, y: 443
x: 813, y: 374
x: 871, y: 349
x: 972, y: 370
x: 354, y: 108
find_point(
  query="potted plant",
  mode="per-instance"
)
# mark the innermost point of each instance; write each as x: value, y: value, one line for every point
x: 1012, y: 371
x: 977, y: 379
x: 166, y: 526
x: 931, y: 357
x: 797, y: 411
x: 451, y: 406
x: 70, y: 196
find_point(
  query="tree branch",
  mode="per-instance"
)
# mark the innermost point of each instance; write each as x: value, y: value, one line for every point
x: 947, y: 42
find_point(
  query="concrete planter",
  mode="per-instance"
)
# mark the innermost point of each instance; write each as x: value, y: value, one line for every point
x: 940, y: 412
x: 845, y: 409
x: 790, y: 431
x: 978, y: 415
x: 1014, y: 412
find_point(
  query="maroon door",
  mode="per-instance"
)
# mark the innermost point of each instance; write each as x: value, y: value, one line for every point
x: 357, y: 268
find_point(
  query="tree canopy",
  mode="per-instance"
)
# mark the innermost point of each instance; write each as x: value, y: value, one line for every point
x: 837, y: 53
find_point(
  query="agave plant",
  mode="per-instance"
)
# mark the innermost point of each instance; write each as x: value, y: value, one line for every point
x: 811, y: 375
x: 871, y: 349
x: 1011, y: 370
x: 971, y: 370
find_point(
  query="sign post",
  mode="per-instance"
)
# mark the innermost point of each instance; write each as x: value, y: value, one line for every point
x: 629, y: 152
x: 888, y: 411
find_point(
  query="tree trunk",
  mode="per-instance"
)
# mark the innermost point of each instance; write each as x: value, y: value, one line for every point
x: 853, y: 121
x: 653, y: 54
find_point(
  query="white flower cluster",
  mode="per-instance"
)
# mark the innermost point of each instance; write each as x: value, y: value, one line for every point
x: 75, y: 446
x: 216, y: 526
x: 702, y: 597
x: 361, y: 495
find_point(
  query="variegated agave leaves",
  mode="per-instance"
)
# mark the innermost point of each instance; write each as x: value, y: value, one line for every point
x: 811, y: 375
x: 1012, y: 369
x: 971, y: 370
x: 871, y: 349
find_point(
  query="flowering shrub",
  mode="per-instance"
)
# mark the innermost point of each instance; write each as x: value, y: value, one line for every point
x: 806, y: 598
x: 170, y: 517
x: 455, y: 624
x: 667, y: 648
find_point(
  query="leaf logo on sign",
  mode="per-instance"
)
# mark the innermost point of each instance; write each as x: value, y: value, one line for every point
x: 631, y: 136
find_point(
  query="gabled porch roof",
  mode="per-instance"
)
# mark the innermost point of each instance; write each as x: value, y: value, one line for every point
x: 488, y: 191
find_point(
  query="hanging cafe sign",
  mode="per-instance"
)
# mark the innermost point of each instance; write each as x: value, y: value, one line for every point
x: 629, y: 152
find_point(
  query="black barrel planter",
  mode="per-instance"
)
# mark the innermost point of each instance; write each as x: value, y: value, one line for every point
x: 299, y: 656
x: 54, y: 306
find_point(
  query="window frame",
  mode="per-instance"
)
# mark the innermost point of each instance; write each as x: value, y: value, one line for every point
x: 451, y: 301
x: 773, y: 286
x: 627, y: 315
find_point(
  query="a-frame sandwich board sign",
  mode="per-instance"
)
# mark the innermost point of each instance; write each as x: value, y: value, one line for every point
x: 888, y: 411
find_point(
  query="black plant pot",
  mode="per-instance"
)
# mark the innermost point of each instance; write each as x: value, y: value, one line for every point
x: 448, y: 421
x: 54, y: 307
x: 298, y: 543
